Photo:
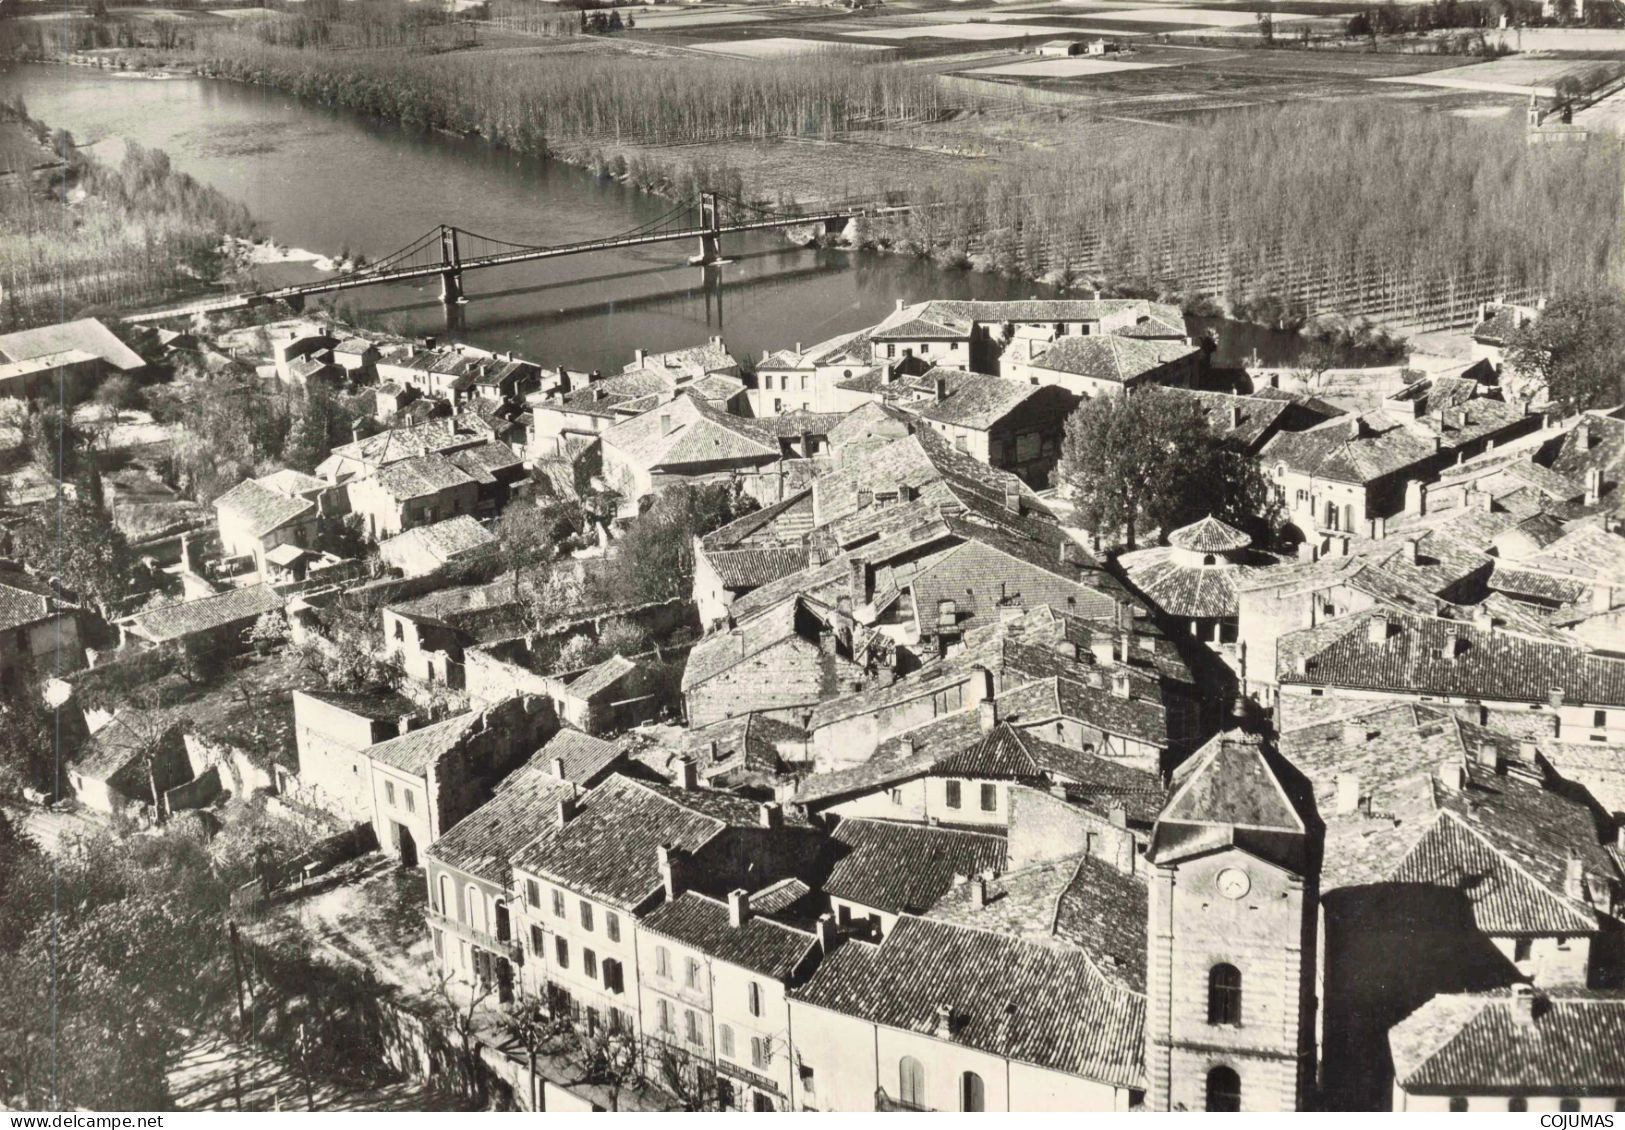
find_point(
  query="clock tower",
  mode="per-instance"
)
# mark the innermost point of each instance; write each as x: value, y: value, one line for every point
x: 1230, y: 991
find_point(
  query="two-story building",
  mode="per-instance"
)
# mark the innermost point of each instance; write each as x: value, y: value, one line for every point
x: 419, y: 491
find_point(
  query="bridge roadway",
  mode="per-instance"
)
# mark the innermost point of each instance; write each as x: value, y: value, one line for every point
x: 450, y: 269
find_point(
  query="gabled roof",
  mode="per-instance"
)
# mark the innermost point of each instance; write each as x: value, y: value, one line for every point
x: 23, y: 600
x: 176, y: 621
x: 1111, y: 357
x: 1475, y: 1043
x: 1013, y: 754
x: 758, y: 944
x: 684, y: 432
x: 482, y: 843
x: 261, y: 508
x: 415, y: 750
x: 608, y: 849
x: 1414, y: 656
x: 904, y: 868
x: 445, y: 540
x: 971, y: 400
x: 597, y: 679
x: 419, y: 476
x: 585, y: 757
x: 1020, y: 1000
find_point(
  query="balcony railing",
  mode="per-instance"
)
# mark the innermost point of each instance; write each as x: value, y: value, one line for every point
x: 509, y: 948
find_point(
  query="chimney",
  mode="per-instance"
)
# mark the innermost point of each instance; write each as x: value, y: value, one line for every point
x: 1376, y: 629
x: 1602, y: 597
x: 1066, y: 649
x: 637, y: 357
x: 905, y: 748
x: 1348, y: 793
x: 945, y: 1021
x: 1356, y: 426
x: 598, y: 393
x: 1121, y: 687
x: 770, y: 815
x: 947, y: 616
x: 557, y: 767
x: 666, y: 860
x: 1574, y: 879
x: 1307, y: 552
x: 1412, y: 550
x: 887, y: 373
x: 866, y: 499
x: 900, y: 304
x: 1554, y: 697
x: 1523, y: 1005
x: 738, y: 908
x: 826, y: 933
x: 978, y: 893
x: 941, y: 389
x: 1355, y: 733
x: 1528, y: 751
x: 1486, y: 501
x: 1452, y: 774
x: 1582, y: 435
x: 1118, y: 815
x: 1454, y: 646
x: 1103, y: 649
x: 1012, y: 497
x: 1489, y: 756
x: 665, y: 424
x: 1235, y: 415
x: 858, y: 580
x: 568, y: 807
x: 987, y: 714
x: 688, y: 774
x: 904, y: 494
x: 1593, y: 485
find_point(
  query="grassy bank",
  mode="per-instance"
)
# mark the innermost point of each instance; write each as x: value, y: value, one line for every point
x: 77, y: 235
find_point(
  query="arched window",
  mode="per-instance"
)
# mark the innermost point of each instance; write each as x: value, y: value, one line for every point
x: 1209, y: 559
x: 972, y: 1095
x: 476, y: 909
x: 1224, y: 994
x: 910, y: 1082
x: 448, y: 898
x: 1223, y: 1090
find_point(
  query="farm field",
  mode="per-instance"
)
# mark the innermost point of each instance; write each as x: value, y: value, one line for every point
x: 1064, y: 68
x: 780, y: 47
x: 967, y: 31
x: 1520, y: 75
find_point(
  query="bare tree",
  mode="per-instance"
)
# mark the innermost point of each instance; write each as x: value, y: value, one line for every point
x: 457, y: 1006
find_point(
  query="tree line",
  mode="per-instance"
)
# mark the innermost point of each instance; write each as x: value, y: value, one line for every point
x: 141, y: 230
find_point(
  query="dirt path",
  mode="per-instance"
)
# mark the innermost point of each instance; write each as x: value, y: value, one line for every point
x: 216, y: 1073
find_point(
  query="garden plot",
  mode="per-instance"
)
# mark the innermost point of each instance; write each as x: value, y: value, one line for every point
x: 781, y: 47
x: 977, y: 31
x: 1064, y: 68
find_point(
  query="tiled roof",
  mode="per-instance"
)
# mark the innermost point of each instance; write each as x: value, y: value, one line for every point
x: 447, y: 539
x: 900, y: 868
x: 685, y: 432
x: 597, y: 679
x: 1209, y: 535
x: 483, y: 842
x: 1242, y: 421
x: 482, y: 463
x: 1178, y: 589
x: 1015, y: 754
x: 23, y: 601
x: 1111, y: 357
x: 1498, y: 325
x: 402, y: 443
x: 262, y: 508
x: 1062, y: 697
x: 1596, y: 442
x: 383, y: 706
x: 764, y: 526
x: 1081, y: 902
x: 585, y: 757
x: 1332, y: 451
x: 176, y: 621
x: 608, y: 850
x: 760, y: 945
x: 419, y: 476
x: 290, y: 482
x: 1229, y: 781
x: 1017, y: 999
x: 413, y: 751
x: 1413, y: 658
x: 972, y: 400
x: 754, y: 566
x: 1475, y: 1043
x: 719, y: 651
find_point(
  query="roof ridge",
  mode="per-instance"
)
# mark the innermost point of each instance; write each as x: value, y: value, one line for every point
x: 1518, y: 867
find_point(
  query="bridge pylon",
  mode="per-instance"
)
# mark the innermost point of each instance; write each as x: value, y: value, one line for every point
x: 711, y: 237
x: 451, y: 279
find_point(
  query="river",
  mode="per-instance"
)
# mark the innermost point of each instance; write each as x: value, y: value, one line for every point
x: 328, y: 180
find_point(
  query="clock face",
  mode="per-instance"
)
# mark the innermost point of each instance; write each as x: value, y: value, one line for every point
x: 1233, y: 882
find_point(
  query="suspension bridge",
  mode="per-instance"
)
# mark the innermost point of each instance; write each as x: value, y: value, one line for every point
x: 449, y: 252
